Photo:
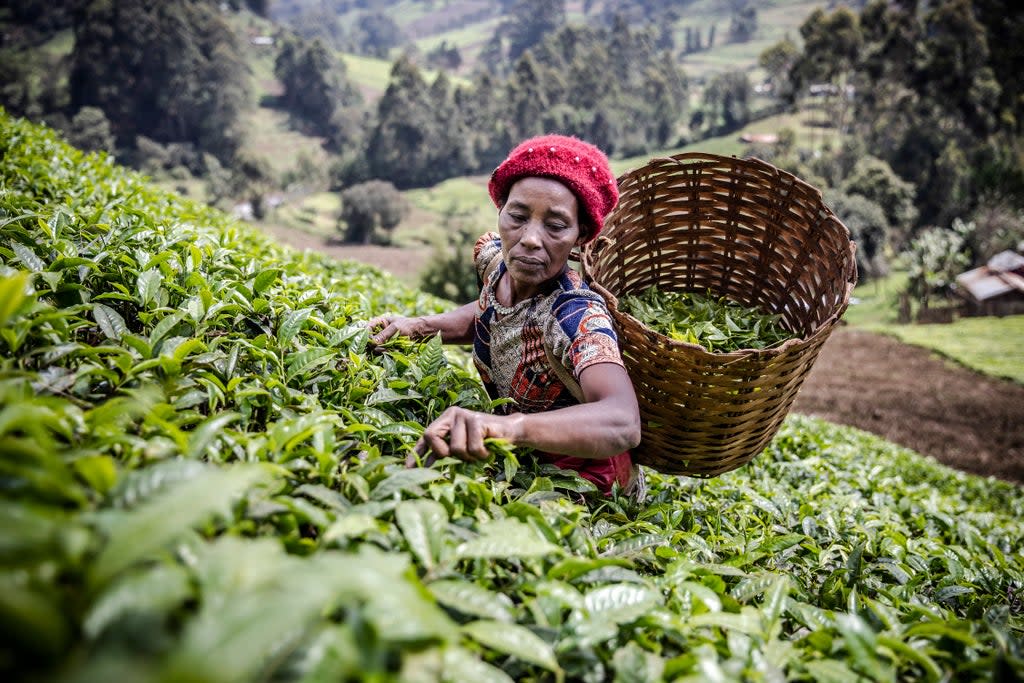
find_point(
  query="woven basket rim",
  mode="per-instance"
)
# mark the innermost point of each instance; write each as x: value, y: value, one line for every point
x: 796, y: 342
x: 692, y: 158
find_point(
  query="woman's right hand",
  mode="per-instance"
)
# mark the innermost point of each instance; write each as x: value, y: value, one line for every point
x: 385, y: 327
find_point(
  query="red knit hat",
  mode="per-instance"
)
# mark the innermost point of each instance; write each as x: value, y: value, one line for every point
x: 579, y: 165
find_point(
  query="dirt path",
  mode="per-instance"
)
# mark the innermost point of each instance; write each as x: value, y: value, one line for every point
x: 903, y: 393
x: 404, y: 263
x: 914, y: 398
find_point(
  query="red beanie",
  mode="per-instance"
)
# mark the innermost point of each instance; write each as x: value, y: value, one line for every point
x: 579, y: 165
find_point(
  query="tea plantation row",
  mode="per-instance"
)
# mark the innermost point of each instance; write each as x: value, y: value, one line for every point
x: 202, y: 479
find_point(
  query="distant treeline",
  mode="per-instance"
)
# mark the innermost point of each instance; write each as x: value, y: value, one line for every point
x: 927, y: 96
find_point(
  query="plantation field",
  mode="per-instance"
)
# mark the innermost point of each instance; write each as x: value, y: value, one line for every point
x: 203, y: 479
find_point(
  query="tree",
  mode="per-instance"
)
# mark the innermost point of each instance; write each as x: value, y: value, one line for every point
x: 1004, y: 29
x: 869, y: 229
x: 956, y: 73
x: 316, y: 86
x: 451, y: 272
x: 375, y: 34
x: 778, y: 61
x: 727, y: 99
x: 832, y: 44
x: 934, y: 259
x: 370, y: 211
x: 875, y: 180
x: 743, y: 24
x: 171, y: 71
x: 90, y: 131
x: 529, y: 22
x: 416, y: 141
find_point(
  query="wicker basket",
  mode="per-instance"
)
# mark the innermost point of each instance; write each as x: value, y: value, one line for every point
x: 742, y: 229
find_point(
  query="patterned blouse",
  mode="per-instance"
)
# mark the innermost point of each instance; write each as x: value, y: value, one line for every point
x: 514, y: 349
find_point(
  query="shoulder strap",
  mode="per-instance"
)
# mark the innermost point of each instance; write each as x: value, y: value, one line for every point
x: 564, y: 375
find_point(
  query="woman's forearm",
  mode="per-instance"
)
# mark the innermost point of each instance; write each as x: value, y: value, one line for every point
x: 456, y: 327
x: 588, y: 430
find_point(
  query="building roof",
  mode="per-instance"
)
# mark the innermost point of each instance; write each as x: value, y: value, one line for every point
x: 1003, y: 274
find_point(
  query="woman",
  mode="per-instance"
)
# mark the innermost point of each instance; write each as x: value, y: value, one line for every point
x: 540, y: 336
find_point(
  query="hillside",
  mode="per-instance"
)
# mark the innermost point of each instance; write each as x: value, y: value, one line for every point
x: 203, y: 479
x: 299, y: 164
x: 468, y: 24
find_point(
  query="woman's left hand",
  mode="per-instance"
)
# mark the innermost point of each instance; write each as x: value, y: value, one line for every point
x: 458, y: 433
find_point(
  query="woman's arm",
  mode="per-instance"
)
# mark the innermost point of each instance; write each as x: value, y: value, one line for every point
x: 456, y: 327
x: 607, y: 424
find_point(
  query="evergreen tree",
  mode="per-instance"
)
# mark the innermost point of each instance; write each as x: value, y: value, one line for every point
x: 743, y: 24
x: 832, y: 43
x: 529, y: 22
x: 89, y: 130
x: 171, y: 71
x: 418, y: 137
x: 317, y: 91
x: 777, y: 61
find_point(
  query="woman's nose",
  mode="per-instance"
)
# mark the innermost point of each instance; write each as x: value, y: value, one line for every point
x: 532, y: 233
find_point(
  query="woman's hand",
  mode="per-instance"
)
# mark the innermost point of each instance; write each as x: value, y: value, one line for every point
x: 385, y: 327
x: 459, y: 433
x: 455, y: 327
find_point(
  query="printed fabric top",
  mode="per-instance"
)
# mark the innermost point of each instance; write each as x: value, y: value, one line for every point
x: 570, y: 319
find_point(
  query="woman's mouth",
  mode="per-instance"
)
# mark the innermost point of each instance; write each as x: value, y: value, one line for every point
x: 528, y: 262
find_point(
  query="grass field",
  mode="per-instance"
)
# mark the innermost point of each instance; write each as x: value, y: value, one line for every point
x: 987, y: 344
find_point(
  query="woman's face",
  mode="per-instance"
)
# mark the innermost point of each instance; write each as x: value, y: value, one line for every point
x: 539, y: 226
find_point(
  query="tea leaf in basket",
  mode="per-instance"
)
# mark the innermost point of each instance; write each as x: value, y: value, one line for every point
x: 714, y: 322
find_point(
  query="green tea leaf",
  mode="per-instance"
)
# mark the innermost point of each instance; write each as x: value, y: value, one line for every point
x: 110, y: 321
x: 473, y: 600
x: 291, y: 323
x: 460, y: 665
x: 28, y: 257
x: 12, y: 295
x: 620, y: 603
x: 155, y: 590
x: 508, y: 538
x: 422, y: 523
x: 148, y: 284
x: 514, y: 640
x: 135, y: 534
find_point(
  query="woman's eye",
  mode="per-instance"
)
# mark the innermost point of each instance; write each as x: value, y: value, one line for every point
x: 557, y: 227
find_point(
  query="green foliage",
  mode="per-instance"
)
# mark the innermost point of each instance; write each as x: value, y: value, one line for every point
x: 90, y: 131
x: 317, y: 91
x: 934, y: 259
x: 714, y: 322
x: 727, y: 101
x: 451, y: 271
x: 370, y: 211
x: 418, y: 139
x: 875, y: 180
x: 869, y: 229
x: 743, y: 24
x: 151, y: 68
x: 203, y: 479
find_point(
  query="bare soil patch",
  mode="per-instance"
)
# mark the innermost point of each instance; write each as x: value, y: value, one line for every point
x: 914, y: 398
x: 905, y: 394
x: 405, y: 263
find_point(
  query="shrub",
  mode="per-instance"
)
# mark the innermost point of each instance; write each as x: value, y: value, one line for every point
x: 370, y: 211
x: 451, y: 272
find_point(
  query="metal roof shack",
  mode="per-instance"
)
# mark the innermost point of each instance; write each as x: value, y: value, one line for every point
x: 996, y: 288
